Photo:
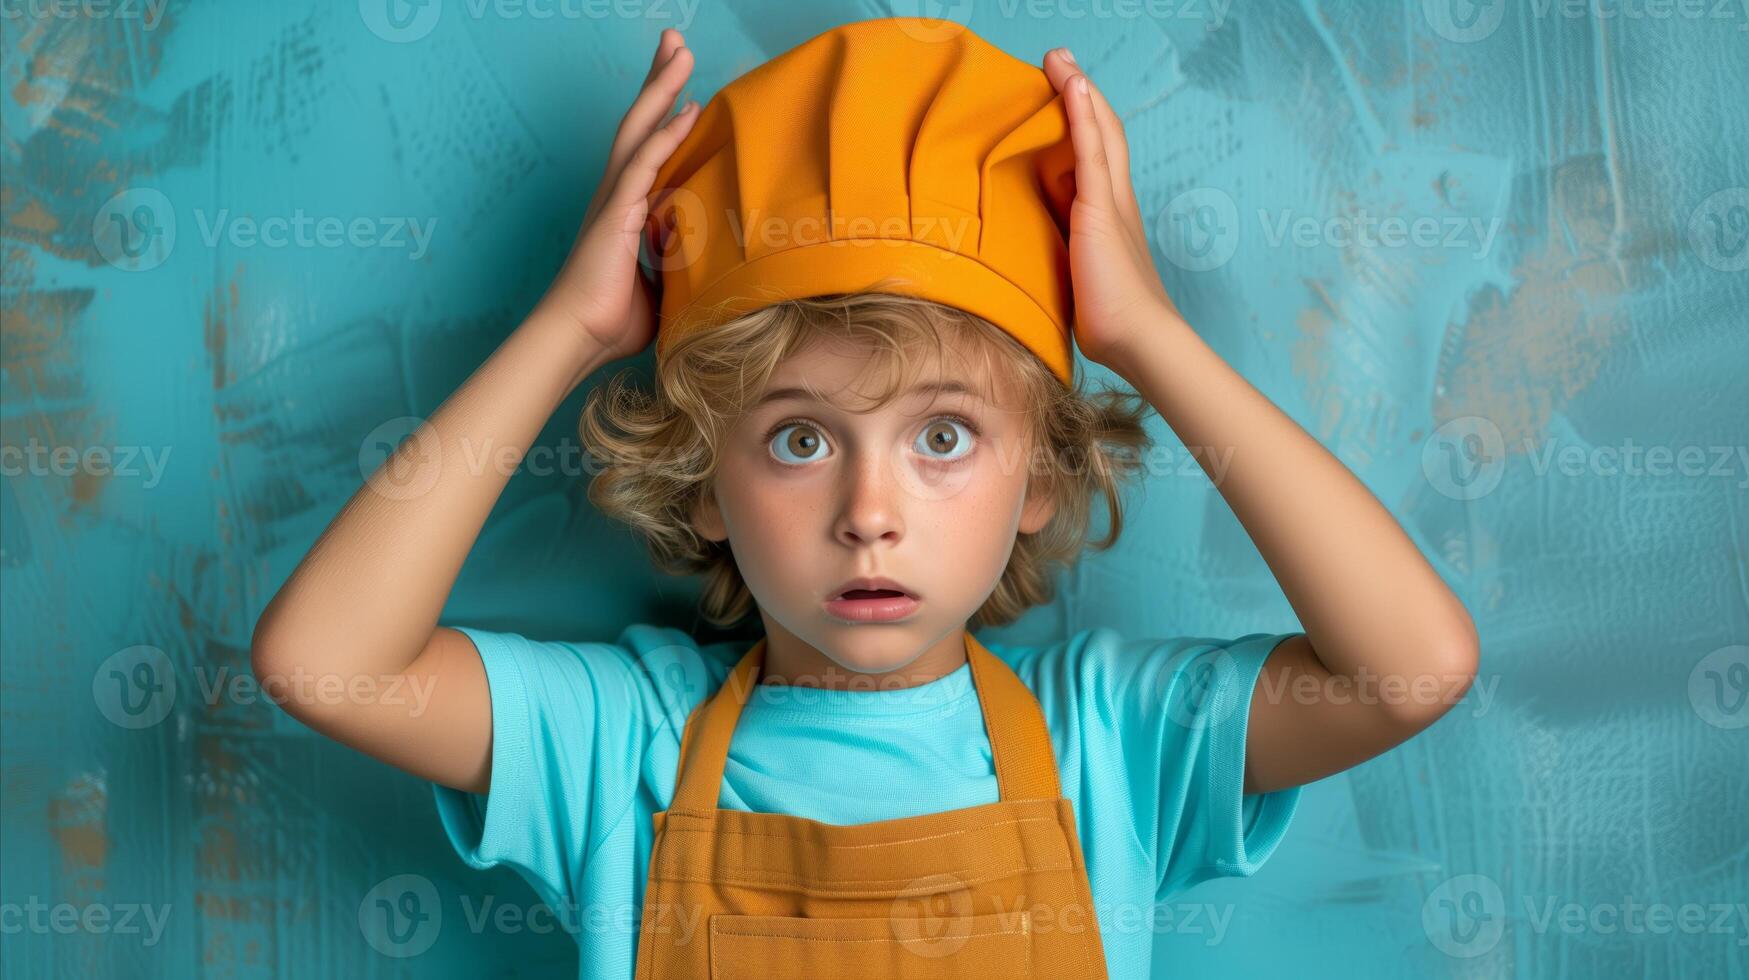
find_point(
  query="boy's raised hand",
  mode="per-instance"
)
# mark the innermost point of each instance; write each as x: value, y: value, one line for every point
x: 1118, y: 292
x: 600, y: 290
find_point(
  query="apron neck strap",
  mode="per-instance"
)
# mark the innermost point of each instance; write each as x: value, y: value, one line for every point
x: 1020, y: 741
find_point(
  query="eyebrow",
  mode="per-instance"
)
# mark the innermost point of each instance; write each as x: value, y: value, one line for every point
x: 928, y: 387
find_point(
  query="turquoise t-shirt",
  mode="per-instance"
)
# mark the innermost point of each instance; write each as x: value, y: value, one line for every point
x: 1149, y: 736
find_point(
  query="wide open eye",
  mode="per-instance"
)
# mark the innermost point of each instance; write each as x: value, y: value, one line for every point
x: 798, y: 442
x: 945, y: 440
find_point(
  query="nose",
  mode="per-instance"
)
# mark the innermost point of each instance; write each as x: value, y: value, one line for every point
x: 870, y: 510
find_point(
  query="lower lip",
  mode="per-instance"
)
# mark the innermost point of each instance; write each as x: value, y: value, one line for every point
x: 880, y: 610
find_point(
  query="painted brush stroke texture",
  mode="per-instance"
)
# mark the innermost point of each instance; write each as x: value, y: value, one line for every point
x: 1495, y: 256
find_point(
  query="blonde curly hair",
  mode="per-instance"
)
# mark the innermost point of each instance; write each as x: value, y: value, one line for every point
x: 658, y: 450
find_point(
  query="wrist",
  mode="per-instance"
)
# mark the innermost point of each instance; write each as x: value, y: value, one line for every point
x: 565, y: 343
x: 1157, y: 331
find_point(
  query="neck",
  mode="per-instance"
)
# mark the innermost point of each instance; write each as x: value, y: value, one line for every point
x: 791, y: 660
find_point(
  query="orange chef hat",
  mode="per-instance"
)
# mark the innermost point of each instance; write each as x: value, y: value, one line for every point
x: 880, y: 148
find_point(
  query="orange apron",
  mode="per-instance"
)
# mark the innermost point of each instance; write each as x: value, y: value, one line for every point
x: 997, y: 890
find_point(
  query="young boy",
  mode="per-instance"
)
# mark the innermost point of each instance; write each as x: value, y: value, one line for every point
x: 866, y: 430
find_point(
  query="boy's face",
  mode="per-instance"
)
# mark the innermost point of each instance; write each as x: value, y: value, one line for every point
x: 929, y: 491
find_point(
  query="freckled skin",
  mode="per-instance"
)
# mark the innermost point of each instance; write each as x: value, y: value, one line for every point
x: 893, y: 492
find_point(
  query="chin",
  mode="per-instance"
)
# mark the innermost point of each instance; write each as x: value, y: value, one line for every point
x: 869, y: 649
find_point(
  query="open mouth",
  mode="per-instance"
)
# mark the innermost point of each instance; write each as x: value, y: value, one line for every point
x: 873, y: 594
x: 872, y: 605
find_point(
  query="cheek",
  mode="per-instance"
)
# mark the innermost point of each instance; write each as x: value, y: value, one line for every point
x: 770, y: 515
x: 986, y: 510
x: 762, y: 507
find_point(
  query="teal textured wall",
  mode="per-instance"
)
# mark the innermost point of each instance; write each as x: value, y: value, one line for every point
x: 1492, y: 254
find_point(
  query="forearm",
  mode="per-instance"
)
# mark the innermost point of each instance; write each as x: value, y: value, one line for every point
x: 1365, y: 595
x: 367, y: 596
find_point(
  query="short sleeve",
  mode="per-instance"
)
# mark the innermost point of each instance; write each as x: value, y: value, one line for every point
x: 1215, y: 829
x: 1178, y: 709
x: 565, y: 745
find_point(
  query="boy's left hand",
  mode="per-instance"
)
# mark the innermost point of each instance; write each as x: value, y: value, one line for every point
x: 1118, y: 294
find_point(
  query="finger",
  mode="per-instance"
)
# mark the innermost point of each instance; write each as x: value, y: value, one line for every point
x: 1092, y: 167
x: 1117, y: 150
x: 653, y: 102
x: 1060, y: 67
x: 631, y: 190
x: 1117, y: 146
x: 665, y: 46
x: 651, y: 106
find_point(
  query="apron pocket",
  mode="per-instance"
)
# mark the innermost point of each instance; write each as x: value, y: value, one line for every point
x: 773, y: 947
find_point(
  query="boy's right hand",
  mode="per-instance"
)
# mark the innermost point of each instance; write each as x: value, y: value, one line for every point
x: 600, y: 291
x: 407, y: 545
